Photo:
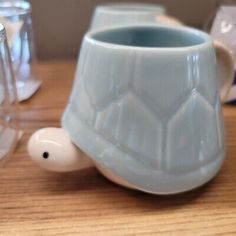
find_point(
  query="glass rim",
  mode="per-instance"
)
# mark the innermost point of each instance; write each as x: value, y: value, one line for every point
x: 22, y: 6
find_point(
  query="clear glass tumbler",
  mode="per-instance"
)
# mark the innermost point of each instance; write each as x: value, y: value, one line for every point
x: 9, y: 127
x: 16, y: 17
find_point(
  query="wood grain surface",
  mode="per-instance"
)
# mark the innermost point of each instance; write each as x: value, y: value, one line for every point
x: 34, y: 202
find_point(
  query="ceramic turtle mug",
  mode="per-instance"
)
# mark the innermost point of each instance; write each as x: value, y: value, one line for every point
x: 145, y: 107
x: 127, y: 14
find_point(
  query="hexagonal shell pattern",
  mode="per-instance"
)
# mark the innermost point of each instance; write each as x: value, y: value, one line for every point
x: 130, y: 124
x: 192, y: 136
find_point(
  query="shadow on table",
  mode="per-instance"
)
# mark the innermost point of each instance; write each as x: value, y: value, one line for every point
x: 83, y: 180
x: 93, y: 183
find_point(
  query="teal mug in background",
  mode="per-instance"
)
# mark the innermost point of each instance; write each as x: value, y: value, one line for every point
x: 126, y: 14
x: 145, y: 107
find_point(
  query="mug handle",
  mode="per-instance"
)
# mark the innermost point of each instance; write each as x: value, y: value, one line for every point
x: 225, y: 65
x: 168, y: 20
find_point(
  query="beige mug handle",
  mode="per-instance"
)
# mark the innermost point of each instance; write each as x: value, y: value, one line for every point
x: 168, y: 20
x: 225, y: 62
x: 225, y: 65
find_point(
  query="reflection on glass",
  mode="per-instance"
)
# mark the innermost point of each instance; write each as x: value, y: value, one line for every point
x: 9, y: 133
x: 16, y: 16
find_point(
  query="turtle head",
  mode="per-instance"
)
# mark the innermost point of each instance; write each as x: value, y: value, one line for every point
x: 52, y: 149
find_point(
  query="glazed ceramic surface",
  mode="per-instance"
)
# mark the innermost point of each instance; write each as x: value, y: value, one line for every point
x: 123, y: 14
x: 145, y: 106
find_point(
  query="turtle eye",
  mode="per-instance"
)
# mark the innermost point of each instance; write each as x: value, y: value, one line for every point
x: 45, y: 155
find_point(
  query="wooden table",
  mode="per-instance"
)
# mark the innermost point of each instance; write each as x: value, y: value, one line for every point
x: 34, y: 202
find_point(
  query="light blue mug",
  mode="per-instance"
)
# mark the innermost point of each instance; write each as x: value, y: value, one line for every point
x: 145, y: 107
x: 127, y: 14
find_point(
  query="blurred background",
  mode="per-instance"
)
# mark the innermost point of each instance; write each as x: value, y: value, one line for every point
x: 59, y: 25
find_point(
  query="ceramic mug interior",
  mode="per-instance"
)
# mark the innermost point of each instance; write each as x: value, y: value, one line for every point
x: 154, y: 37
